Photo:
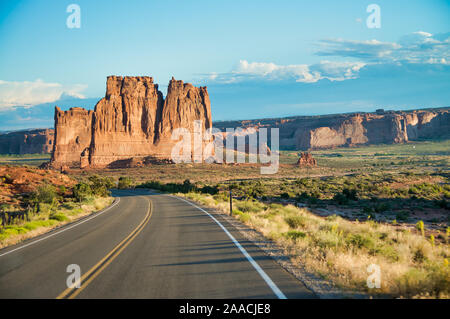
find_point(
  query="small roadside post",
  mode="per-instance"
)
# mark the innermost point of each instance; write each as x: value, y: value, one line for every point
x: 231, y: 202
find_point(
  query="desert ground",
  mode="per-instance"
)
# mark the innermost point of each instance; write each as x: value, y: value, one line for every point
x: 383, y: 204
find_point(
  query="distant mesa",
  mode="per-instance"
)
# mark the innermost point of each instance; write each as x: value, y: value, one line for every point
x: 132, y: 124
x: 245, y: 135
x: 338, y: 130
x: 37, y: 141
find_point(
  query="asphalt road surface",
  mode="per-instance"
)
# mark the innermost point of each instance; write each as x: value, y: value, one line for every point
x: 145, y: 246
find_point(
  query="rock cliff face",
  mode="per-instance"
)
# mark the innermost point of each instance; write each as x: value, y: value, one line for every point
x: 27, y: 142
x: 132, y: 123
x: 73, y: 131
x: 183, y: 105
x: 125, y: 121
x: 327, y: 131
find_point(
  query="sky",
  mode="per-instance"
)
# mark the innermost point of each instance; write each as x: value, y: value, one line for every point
x: 258, y: 58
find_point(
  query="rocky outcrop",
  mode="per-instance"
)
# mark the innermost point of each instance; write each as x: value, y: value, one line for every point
x: 424, y: 124
x: 125, y: 121
x: 306, y: 160
x: 131, y: 125
x: 183, y: 105
x: 27, y: 142
x: 327, y: 131
x: 73, y: 133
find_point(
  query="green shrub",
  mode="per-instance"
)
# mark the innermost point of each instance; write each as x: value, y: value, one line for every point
x: 243, y: 217
x: 387, y: 251
x: 221, y: 197
x: 44, y: 209
x: 440, y: 278
x: 402, y: 216
x: 39, y: 223
x: 249, y: 206
x: 59, y: 217
x: 184, y: 187
x: 285, y: 195
x: 45, y: 194
x: 442, y: 204
x: 275, y: 206
x: 340, y: 198
x: 295, y: 221
x: 350, y: 194
x: 82, y: 191
x: 100, y: 185
x: 212, y: 190
x: 360, y: 241
x: 303, y: 196
x: 12, y: 230
x: 153, y: 185
x: 294, y: 234
x: 383, y: 207
x: 124, y: 182
x: 419, y: 255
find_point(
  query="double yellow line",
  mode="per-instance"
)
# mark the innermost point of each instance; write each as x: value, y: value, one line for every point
x: 71, y: 293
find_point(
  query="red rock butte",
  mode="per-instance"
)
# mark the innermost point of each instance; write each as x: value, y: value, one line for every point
x: 133, y: 122
x: 306, y: 160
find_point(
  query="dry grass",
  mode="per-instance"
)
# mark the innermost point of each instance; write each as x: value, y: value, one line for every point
x: 341, y: 250
x: 44, y: 222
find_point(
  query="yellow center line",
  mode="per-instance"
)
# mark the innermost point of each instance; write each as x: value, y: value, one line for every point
x: 71, y: 293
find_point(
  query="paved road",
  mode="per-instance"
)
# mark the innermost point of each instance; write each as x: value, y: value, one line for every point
x: 146, y: 246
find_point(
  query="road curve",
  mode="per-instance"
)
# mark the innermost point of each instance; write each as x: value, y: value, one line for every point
x: 146, y: 246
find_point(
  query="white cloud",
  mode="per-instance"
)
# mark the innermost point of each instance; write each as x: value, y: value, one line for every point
x: 271, y: 71
x: 417, y: 47
x: 366, y: 50
x: 29, y: 93
x: 337, y: 71
x: 267, y: 71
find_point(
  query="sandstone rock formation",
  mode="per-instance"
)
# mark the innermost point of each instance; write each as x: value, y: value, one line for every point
x: 125, y: 121
x: 73, y: 131
x: 306, y: 160
x: 305, y: 132
x: 327, y: 131
x: 132, y: 124
x: 183, y: 105
x: 27, y: 142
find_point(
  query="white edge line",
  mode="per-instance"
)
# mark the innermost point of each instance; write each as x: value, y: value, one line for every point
x: 63, y: 230
x: 261, y: 272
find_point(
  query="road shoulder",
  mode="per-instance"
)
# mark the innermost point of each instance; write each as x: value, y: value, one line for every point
x: 319, y: 286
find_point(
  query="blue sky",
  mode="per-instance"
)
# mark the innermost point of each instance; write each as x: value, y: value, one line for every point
x: 258, y: 58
